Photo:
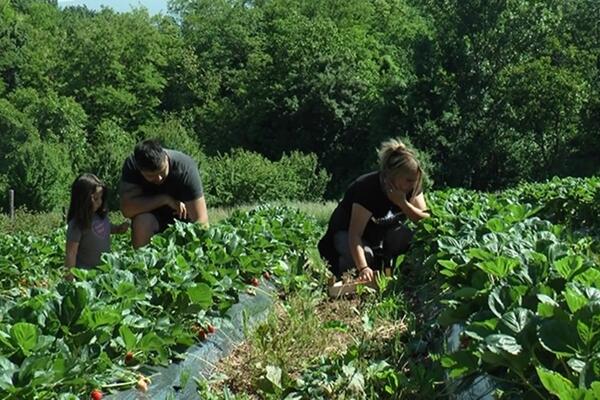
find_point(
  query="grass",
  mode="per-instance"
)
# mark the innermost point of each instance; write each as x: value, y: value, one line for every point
x: 321, y: 210
x: 298, y: 331
x: 43, y: 223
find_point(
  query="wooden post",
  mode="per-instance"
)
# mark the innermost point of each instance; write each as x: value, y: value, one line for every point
x: 11, y: 204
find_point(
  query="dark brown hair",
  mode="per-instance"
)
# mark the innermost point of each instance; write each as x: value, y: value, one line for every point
x: 81, y: 208
x: 149, y: 155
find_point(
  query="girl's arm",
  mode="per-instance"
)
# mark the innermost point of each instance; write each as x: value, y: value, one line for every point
x: 71, y: 254
x: 121, y: 228
x: 358, y: 221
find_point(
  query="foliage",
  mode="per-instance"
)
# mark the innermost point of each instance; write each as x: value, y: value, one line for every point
x: 40, y: 173
x: 484, y: 89
x: 148, y: 302
x: 574, y: 202
x: 523, y: 291
x: 243, y: 177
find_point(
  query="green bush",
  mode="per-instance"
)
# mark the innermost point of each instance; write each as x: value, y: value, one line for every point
x: 31, y: 223
x: 173, y: 134
x: 571, y: 201
x: 111, y: 146
x: 41, y: 175
x: 242, y: 177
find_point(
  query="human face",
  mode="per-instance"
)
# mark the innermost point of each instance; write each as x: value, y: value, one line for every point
x: 157, y: 177
x: 405, y: 180
x: 97, y: 198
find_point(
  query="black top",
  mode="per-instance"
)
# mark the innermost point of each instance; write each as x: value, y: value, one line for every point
x: 367, y: 190
x: 183, y: 182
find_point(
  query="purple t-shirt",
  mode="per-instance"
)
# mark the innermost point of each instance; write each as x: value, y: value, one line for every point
x: 92, y: 241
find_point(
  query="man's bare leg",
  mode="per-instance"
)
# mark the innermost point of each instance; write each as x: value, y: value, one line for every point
x: 143, y: 227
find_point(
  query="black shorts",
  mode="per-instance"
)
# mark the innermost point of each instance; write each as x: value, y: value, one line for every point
x: 164, y: 216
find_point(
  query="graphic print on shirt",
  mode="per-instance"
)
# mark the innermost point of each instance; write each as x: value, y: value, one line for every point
x: 388, y: 219
x: 101, y: 227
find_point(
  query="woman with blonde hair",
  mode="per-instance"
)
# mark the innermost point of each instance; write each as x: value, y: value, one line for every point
x: 367, y: 228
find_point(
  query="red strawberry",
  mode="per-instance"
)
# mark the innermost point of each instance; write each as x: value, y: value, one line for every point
x: 128, y: 357
x: 211, y: 328
x: 202, y: 334
x: 465, y: 341
x: 96, y: 395
x: 254, y: 281
x: 267, y: 275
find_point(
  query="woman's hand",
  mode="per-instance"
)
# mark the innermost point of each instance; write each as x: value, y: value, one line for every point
x: 366, y: 274
x: 397, y: 196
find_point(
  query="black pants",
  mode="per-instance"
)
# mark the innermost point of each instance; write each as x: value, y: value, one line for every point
x: 396, y: 241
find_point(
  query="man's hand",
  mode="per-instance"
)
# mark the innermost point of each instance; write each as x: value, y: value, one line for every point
x: 179, y: 209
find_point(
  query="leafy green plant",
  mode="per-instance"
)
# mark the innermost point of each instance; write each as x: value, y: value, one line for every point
x: 148, y: 302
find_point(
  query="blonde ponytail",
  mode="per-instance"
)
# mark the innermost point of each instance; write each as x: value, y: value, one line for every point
x: 395, y: 157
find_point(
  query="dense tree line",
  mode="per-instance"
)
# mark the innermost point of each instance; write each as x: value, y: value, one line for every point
x: 494, y: 92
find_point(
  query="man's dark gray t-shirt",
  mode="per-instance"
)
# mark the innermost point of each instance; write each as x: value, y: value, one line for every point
x: 183, y: 182
x: 92, y: 241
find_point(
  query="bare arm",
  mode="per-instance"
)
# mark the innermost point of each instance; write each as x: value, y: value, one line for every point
x: 415, y: 210
x: 121, y: 228
x: 71, y: 254
x: 133, y: 202
x: 196, y: 211
x: 358, y: 221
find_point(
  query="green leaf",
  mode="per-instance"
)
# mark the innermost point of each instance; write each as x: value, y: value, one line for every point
x: 357, y: 380
x: 25, y: 335
x: 336, y: 325
x: 201, y: 295
x: 496, y: 225
x: 274, y: 375
x: 506, y: 343
x: 73, y: 304
x: 460, y: 363
x: 481, y: 329
x: 465, y: 293
x: 555, y: 383
x: 499, y: 267
x: 559, y: 337
x: 480, y: 254
x: 517, y: 319
x: 151, y: 342
x: 595, y: 389
x: 575, y: 299
x: 568, y: 266
x: 7, y: 369
x: 103, y: 317
x: 576, y: 365
x: 547, y: 300
x: 448, y: 264
x: 128, y: 337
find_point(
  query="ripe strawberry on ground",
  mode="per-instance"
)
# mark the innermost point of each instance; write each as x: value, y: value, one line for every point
x: 128, y: 357
x: 254, y: 281
x: 211, y: 328
x: 267, y: 275
x: 202, y: 334
x: 96, y: 394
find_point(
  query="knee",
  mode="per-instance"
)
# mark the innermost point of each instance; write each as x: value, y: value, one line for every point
x: 143, y: 223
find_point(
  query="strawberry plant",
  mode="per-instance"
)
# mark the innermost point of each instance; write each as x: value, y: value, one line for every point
x: 78, y: 332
